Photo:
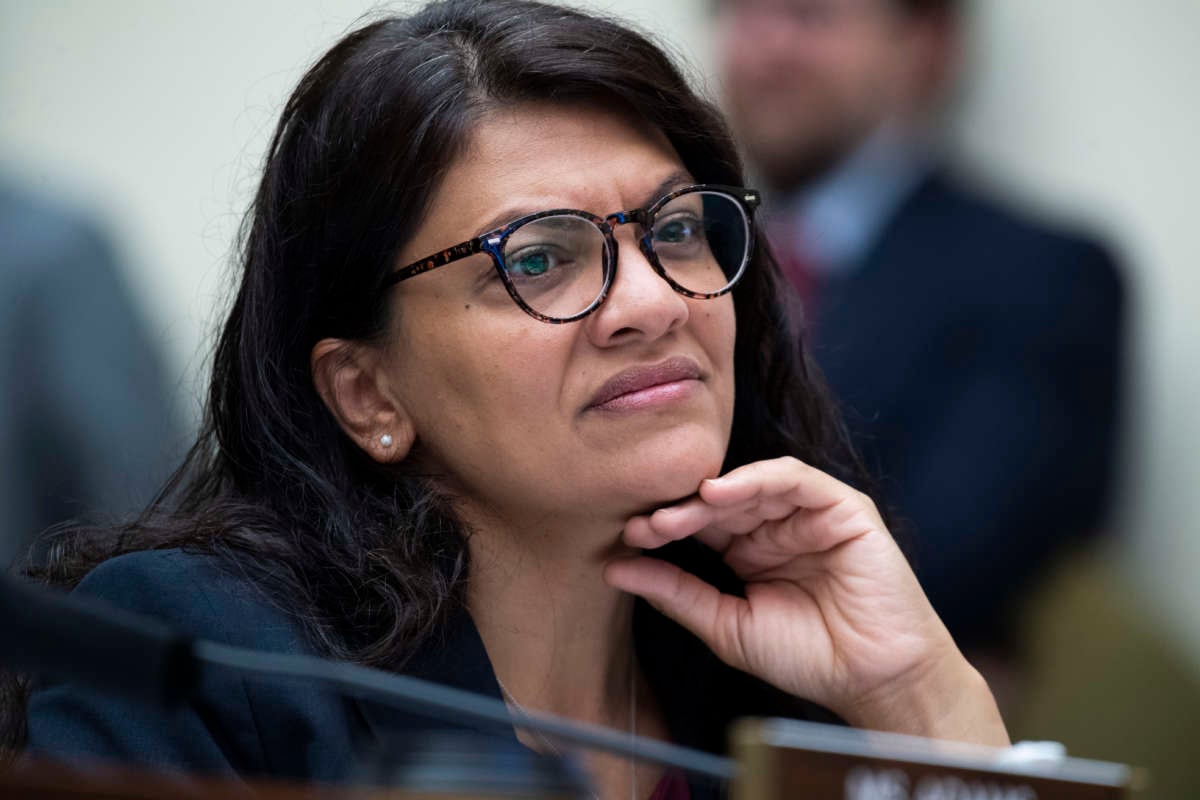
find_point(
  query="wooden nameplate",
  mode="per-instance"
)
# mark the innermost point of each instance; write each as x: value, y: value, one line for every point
x: 780, y: 759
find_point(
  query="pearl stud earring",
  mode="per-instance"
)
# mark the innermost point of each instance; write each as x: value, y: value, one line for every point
x: 386, y: 440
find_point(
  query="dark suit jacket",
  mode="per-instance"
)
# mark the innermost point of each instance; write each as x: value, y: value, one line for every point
x: 977, y: 357
x: 300, y: 730
x: 235, y: 724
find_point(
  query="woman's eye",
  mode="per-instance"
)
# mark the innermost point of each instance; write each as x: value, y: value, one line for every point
x: 679, y: 230
x: 530, y: 263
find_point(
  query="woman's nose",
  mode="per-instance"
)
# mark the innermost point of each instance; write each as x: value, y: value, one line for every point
x: 640, y: 304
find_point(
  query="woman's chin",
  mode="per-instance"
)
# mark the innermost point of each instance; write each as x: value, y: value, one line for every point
x: 670, y: 475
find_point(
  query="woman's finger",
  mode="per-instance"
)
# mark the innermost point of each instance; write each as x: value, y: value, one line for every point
x: 783, y: 478
x: 677, y: 522
x: 751, y: 500
x: 712, y: 616
x: 813, y: 511
x: 712, y: 526
x: 695, y: 514
x: 668, y: 524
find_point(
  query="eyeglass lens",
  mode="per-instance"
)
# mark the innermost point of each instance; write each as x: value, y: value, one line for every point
x: 556, y: 263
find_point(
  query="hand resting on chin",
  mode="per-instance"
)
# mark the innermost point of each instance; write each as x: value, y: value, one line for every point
x: 832, y: 613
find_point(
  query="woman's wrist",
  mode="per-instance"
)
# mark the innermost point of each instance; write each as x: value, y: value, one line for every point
x: 947, y: 700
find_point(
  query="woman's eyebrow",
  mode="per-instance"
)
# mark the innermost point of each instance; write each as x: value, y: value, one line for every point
x: 676, y: 180
x: 672, y: 182
x: 506, y: 216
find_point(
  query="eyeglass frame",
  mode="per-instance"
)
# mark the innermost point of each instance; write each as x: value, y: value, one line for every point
x: 492, y: 243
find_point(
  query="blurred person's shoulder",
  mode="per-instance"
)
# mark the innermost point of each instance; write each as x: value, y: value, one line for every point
x: 975, y: 231
x: 47, y: 236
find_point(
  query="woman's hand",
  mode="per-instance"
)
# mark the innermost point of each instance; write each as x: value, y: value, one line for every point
x: 832, y: 612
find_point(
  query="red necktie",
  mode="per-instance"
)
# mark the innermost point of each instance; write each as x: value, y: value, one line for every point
x: 796, y: 266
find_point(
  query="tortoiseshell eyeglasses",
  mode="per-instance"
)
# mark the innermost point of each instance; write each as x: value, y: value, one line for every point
x: 558, y: 265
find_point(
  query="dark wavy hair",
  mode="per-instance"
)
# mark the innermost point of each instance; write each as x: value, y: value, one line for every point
x: 370, y: 559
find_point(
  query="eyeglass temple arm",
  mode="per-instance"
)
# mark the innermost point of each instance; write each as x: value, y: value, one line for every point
x: 447, y: 256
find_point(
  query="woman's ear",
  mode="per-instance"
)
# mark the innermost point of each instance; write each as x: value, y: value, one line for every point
x: 348, y: 377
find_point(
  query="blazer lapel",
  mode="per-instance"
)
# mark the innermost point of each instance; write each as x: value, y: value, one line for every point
x: 455, y: 658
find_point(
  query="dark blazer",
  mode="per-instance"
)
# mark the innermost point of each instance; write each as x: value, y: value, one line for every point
x: 302, y: 731
x: 235, y: 724
x: 977, y: 357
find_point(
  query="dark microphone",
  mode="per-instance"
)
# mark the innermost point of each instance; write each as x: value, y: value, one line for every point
x: 142, y: 659
x: 98, y: 646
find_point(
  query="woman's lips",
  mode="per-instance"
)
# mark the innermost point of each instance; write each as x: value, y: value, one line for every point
x: 648, y: 386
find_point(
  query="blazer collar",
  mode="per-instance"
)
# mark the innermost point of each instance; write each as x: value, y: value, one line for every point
x: 454, y: 657
x: 457, y: 658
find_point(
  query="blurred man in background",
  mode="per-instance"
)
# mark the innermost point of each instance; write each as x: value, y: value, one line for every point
x: 88, y: 430
x: 975, y: 351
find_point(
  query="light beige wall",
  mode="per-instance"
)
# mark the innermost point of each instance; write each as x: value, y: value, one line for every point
x: 156, y: 113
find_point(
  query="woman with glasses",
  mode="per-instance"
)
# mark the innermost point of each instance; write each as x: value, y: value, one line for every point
x: 508, y: 398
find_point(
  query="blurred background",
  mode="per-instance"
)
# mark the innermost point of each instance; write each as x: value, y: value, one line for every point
x: 135, y: 128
